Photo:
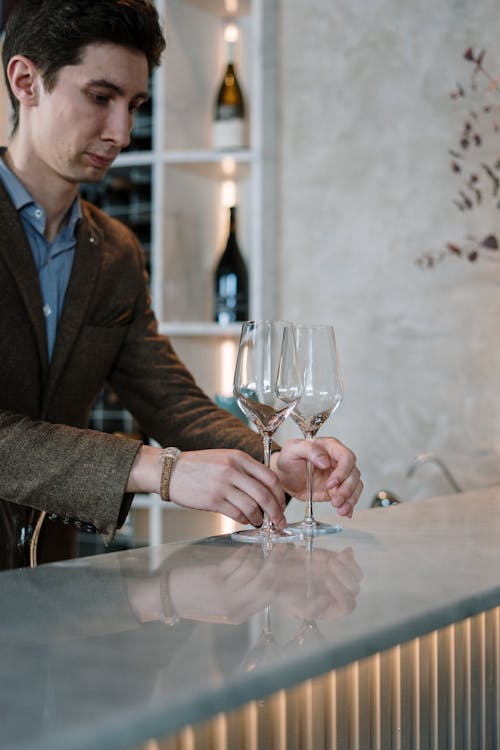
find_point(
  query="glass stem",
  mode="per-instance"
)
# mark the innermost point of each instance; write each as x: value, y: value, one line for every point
x: 308, y: 516
x: 267, y: 525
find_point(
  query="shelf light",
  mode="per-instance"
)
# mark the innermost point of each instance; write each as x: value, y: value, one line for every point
x: 231, y: 7
x: 227, y: 525
x: 231, y: 33
x: 229, y: 197
x: 228, y: 165
x: 227, y: 363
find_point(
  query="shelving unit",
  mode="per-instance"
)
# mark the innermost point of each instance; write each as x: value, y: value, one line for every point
x: 189, y: 222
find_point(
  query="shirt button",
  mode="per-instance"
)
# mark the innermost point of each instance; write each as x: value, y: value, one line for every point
x: 47, y: 310
x: 38, y: 213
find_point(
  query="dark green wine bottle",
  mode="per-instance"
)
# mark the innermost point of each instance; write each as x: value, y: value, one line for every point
x: 231, y: 280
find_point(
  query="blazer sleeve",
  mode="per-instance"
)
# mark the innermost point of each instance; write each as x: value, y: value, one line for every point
x: 72, y: 472
x: 163, y: 396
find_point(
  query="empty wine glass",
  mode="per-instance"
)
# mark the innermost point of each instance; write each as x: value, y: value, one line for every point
x: 267, y: 387
x: 322, y: 393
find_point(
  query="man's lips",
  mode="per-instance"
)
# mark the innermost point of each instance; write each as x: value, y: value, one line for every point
x: 100, y: 161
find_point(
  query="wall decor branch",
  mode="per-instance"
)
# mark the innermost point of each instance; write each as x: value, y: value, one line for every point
x: 475, y: 161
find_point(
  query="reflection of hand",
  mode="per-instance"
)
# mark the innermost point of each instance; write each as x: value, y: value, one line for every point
x: 238, y: 582
x: 336, y: 476
x: 228, y: 590
x: 332, y: 587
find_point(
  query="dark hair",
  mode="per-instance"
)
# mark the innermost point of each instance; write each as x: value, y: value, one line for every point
x: 54, y: 33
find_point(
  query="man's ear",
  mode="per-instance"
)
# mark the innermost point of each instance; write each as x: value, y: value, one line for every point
x: 24, y: 79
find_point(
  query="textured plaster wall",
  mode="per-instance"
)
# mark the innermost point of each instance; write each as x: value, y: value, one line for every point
x: 366, y: 121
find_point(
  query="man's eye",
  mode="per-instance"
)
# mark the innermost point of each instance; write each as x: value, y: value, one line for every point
x: 100, y: 99
x: 134, y: 107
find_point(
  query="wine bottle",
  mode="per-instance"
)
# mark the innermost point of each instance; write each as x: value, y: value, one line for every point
x: 231, y: 280
x: 229, y: 124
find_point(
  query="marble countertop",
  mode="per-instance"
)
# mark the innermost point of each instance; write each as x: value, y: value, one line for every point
x: 106, y: 652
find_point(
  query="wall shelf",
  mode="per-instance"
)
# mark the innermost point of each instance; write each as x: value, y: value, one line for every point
x: 211, y: 330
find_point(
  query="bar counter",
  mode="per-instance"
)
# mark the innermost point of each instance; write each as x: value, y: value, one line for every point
x: 383, y: 635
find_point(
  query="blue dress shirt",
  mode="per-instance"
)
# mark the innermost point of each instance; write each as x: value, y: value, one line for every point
x: 53, y: 259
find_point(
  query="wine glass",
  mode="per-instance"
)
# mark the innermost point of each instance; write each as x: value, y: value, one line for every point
x: 322, y: 393
x: 267, y: 387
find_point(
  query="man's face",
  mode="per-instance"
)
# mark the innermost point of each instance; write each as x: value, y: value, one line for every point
x: 84, y: 122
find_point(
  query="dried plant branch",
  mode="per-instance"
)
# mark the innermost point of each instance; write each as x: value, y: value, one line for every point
x: 480, y: 184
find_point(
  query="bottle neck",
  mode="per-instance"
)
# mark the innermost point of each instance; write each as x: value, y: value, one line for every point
x: 232, y: 220
x: 230, y: 53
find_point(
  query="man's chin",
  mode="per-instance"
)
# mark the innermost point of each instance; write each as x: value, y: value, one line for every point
x: 95, y: 166
x: 93, y: 174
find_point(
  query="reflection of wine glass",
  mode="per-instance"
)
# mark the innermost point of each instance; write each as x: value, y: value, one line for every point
x: 308, y: 632
x: 265, y: 647
x: 267, y: 387
x: 321, y: 395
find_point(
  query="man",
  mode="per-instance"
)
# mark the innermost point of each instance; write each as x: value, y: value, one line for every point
x: 75, y: 309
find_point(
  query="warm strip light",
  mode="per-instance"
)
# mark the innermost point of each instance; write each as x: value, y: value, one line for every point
x: 228, y: 165
x: 231, y: 7
x: 227, y: 363
x: 231, y: 33
x: 229, y: 193
x: 227, y: 526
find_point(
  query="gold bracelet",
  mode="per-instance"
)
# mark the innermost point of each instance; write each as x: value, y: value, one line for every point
x: 168, y: 457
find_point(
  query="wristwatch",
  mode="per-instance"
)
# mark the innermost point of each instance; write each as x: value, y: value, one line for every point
x: 168, y: 457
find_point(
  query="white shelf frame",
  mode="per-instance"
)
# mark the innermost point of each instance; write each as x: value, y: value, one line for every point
x: 158, y: 158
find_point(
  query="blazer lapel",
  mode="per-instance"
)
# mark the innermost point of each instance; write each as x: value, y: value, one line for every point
x: 16, y: 252
x: 86, y: 266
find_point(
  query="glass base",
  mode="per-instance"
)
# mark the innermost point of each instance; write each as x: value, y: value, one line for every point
x: 315, y: 528
x: 264, y: 536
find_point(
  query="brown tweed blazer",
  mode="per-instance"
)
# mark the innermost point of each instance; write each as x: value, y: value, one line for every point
x: 107, y: 332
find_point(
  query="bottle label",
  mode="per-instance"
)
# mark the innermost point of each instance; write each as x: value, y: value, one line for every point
x: 230, y: 304
x: 229, y: 134
x: 231, y: 310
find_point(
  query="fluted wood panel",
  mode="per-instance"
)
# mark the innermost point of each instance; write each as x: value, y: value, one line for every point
x: 438, y: 691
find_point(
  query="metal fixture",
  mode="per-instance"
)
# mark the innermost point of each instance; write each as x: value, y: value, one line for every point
x: 384, y: 498
x: 426, y: 458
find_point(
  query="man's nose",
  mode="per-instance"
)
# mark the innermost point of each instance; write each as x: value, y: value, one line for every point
x: 118, y: 127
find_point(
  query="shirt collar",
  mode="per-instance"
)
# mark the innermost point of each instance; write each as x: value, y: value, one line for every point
x: 18, y: 193
x: 21, y: 198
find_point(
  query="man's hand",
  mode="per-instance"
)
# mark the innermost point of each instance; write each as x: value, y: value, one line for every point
x: 229, y: 482
x: 233, y: 483
x: 335, y: 477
